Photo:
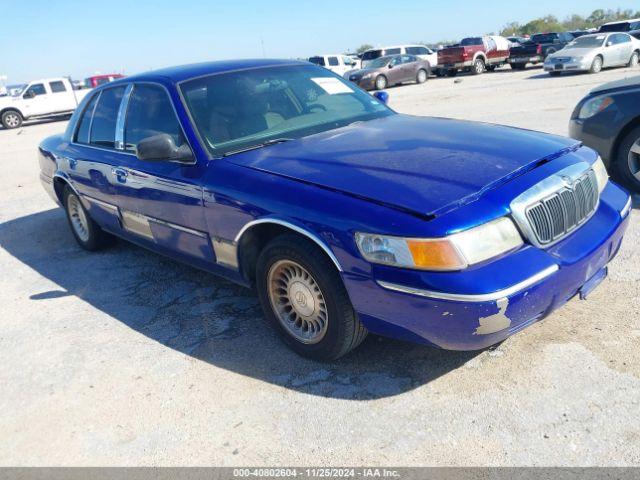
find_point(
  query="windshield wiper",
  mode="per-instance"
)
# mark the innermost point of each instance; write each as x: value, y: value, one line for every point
x: 266, y: 143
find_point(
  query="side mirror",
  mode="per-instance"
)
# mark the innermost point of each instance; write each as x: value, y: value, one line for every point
x: 29, y: 94
x: 382, y: 96
x: 609, y: 44
x: 391, y: 65
x: 162, y: 147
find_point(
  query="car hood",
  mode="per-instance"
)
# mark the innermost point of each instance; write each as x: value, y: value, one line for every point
x: 423, y: 165
x: 631, y: 82
x: 575, y: 52
x: 7, y: 101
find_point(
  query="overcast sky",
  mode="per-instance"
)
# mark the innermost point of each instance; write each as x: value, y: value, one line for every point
x: 45, y: 38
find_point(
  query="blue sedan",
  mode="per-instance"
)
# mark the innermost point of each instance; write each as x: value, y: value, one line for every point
x: 346, y: 217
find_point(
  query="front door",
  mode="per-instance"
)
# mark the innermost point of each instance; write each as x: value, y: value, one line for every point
x: 36, y: 100
x: 160, y: 201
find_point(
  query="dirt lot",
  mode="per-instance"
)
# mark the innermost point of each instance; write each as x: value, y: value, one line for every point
x: 127, y: 358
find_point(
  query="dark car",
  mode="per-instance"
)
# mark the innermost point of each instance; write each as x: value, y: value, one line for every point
x: 391, y: 70
x: 608, y: 120
x: 537, y: 49
x: 345, y: 216
x: 632, y: 27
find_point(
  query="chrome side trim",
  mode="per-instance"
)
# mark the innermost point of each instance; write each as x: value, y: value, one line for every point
x: 627, y: 208
x: 122, y: 112
x: 190, y: 231
x: 486, y: 297
x: 293, y: 227
x: 106, y: 205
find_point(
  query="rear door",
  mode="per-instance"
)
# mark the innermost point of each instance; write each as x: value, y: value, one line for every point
x: 62, y: 99
x: 625, y: 48
x: 160, y: 201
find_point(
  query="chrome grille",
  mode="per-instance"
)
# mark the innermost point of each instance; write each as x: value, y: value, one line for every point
x: 563, y: 211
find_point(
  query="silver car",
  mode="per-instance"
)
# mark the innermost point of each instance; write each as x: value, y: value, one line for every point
x: 592, y: 53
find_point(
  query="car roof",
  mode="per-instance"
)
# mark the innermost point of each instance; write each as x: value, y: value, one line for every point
x: 396, y: 46
x: 186, y: 72
x: 623, y: 21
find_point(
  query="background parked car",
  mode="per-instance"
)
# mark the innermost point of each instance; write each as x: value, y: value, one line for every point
x: 474, y: 54
x: 608, y: 120
x: 538, y: 48
x: 632, y: 27
x: 337, y: 63
x: 594, y: 52
x: 97, y: 80
x: 515, y: 41
x: 419, y: 51
x: 391, y: 70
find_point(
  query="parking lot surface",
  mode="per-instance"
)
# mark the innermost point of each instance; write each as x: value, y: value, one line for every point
x: 127, y: 358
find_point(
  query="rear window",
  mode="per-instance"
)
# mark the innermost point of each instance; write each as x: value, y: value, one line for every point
x: 371, y: 54
x: 466, y: 42
x: 103, y: 129
x: 616, y: 27
x: 57, y: 87
x: 317, y: 61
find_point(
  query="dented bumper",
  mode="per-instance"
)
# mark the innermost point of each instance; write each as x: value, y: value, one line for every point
x: 481, y: 306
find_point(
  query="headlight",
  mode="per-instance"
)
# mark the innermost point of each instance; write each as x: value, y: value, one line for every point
x: 578, y: 59
x: 594, y: 106
x: 454, y: 252
x: 602, y: 177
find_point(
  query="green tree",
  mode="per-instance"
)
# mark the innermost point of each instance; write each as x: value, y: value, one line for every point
x: 363, y: 48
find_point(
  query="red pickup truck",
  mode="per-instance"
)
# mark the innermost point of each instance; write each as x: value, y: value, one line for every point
x: 473, y: 54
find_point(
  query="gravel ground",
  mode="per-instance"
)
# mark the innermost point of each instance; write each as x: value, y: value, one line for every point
x: 127, y: 358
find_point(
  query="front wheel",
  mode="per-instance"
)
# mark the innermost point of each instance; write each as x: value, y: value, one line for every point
x: 422, y: 76
x: 86, y: 232
x: 11, y: 119
x: 627, y: 161
x: 634, y: 60
x: 381, y: 82
x: 596, y: 65
x: 304, y: 299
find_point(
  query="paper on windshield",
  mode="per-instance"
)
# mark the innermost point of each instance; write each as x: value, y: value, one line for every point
x: 332, y: 85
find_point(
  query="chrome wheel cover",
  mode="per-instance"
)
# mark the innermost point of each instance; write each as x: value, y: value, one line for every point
x: 381, y: 83
x: 422, y: 76
x: 597, y: 64
x: 634, y: 159
x: 297, y: 301
x: 12, y: 120
x: 78, y: 218
x: 634, y: 60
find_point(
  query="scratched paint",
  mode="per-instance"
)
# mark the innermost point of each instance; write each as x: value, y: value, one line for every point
x: 496, y: 322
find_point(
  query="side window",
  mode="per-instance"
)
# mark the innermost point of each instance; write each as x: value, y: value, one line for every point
x: 57, y: 87
x: 392, y: 51
x: 35, y: 89
x: 103, y: 129
x: 623, y: 38
x: 333, y: 61
x: 84, y: 125
x: 150, y: 113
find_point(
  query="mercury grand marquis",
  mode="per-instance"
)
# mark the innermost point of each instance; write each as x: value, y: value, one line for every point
x: 345, y: 216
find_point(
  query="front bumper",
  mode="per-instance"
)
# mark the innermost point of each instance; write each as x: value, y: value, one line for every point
x: 400, y: 304
x: 572, y: 66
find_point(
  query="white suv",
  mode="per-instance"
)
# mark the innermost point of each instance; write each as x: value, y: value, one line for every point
x: 419, y: 51
x: 339, y: 64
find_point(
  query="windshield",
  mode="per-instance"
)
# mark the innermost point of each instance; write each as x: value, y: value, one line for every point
x: 379, y: 62
x: 588, y: 42
x: 371, y: 54
x: 16, y: 90
x: 236, y: 110
x: 616, y: 27
x: 471, y: 41
x: 544, y: 38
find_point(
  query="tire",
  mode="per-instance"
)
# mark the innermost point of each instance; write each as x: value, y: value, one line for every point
x: 478, y: 66
x: 452, y: 73
x: 596, y: 65
x: 634, y: 60
x: 422, y: 76
x: 86, y: 232
x: 627, y: 161
x: 381, y: 82
x: 11, y: 119
x: 290, y: 262
x: 518, y: 66
x: 555, y: 74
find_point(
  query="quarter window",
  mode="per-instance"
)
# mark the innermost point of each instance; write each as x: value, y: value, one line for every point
x: 82, y: 134
x: 333, y: 61
x: 417, y: 50
x: 57, y: 87
x: 393, y: 51
x: 103, y: 129
x: 150, y: 113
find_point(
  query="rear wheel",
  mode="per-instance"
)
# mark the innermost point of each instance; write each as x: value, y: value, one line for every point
x: 478, y: 66
x: 381, y: 82
x: 634, y: 60
x: 86, y: 232
x: 304, y: 299
x: 627, y: 161
x: 596, y: 65
x: 422, y: 76
x: 11, y: 119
